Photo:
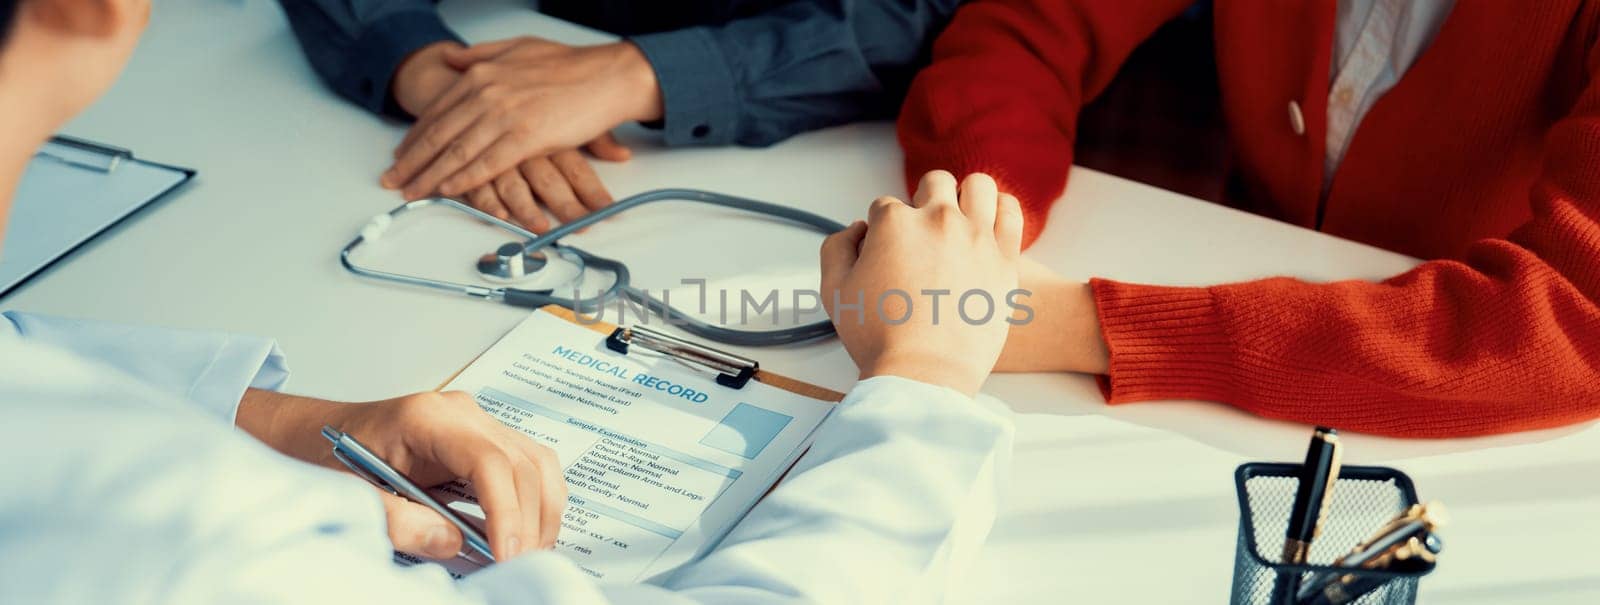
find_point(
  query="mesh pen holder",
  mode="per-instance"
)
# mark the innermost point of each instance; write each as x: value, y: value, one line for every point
x: 1364, y: 498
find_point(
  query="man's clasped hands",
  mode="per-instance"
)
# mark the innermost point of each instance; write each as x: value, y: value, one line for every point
x: 504, y: 125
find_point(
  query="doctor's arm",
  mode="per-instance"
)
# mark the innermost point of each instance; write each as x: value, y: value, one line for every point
x: 234, y: 378
x: 210, y: 369
x: 900, y: 487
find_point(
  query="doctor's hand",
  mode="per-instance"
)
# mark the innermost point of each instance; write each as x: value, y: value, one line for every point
x: 432, y: 438
x: 893, y: 284
x: 562, y: 183
x: 520, y: 99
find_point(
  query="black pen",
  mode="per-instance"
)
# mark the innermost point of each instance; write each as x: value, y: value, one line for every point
x: 1311, y: 500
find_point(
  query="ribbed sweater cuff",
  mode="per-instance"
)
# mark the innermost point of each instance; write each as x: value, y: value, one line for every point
x: 1034, y: 175
x: 1165, y: 343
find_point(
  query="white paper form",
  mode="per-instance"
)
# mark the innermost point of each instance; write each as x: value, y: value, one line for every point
x: 660, y: 460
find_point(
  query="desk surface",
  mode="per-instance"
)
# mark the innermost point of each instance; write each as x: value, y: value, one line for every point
x: 1103, y: 500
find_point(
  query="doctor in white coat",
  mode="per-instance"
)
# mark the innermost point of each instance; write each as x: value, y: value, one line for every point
x: 151, y: 465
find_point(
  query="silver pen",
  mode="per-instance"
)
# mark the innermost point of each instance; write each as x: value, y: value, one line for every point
x: 369, y: 466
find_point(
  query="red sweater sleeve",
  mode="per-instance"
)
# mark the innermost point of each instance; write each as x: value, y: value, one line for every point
x: 1504, y: 339
x: 1007, y: 80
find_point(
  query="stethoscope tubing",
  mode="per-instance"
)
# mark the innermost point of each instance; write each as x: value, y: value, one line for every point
x: 820, y: 223
x: 621, y: 277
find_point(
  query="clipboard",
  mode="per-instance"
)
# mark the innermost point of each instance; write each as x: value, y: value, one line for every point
x: 733, y: 371
x: 665, y: 469
x: 73, y: 191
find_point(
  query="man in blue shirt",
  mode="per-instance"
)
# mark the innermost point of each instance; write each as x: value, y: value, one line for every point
x: 710, y: 72
x: 706, y: 72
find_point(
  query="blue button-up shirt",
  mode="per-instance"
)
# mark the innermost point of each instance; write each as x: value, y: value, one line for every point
x: 750, y: 72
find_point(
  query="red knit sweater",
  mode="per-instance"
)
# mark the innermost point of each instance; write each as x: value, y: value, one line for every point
x: 1485, y: 157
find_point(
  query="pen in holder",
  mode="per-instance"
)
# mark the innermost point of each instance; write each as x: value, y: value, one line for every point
x: 1364, y: 498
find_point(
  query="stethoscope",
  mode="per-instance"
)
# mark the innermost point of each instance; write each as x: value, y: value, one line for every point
x: 518, y: 259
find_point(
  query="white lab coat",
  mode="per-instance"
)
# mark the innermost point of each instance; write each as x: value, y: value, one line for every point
x: 125, y: 482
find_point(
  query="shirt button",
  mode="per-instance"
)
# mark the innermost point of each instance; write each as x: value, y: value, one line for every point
x: 1342, y: 97
x: 1297, y: 120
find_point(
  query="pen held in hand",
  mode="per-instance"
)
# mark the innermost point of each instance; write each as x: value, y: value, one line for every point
x: 369, y: 466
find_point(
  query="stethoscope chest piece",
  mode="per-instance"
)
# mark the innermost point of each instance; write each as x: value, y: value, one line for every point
x: 511, y: 262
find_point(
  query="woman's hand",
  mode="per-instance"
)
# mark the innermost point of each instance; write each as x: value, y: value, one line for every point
x: 912, y: 267
x: 1063, y: 334
x: 432, y: 438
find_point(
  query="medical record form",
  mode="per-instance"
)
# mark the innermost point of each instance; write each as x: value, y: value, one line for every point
x: 660, y: 460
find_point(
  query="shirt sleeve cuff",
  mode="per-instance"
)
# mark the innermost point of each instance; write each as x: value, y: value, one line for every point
x: 699, y: 99
x: 379, y: 51
x: 240, y: 362
x: 209, y: 370
x: 922, y: 400
x: 1165, y: 343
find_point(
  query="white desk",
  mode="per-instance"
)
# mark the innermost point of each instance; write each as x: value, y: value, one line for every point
x: 1126, y: 504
